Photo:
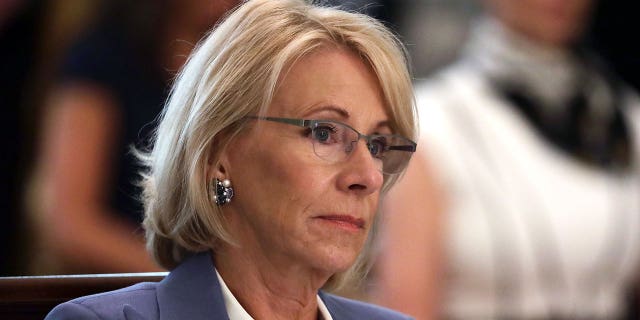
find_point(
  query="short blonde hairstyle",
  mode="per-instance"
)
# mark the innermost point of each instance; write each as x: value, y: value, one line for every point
x: 232, y: 73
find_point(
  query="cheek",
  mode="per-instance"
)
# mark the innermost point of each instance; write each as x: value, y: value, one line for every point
x: 299, y: 186
x: 270, y: 178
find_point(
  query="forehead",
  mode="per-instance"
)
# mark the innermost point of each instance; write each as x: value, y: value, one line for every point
x: 330, y: 82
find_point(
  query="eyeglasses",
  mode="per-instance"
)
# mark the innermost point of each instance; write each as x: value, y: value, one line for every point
x: 333, y: 141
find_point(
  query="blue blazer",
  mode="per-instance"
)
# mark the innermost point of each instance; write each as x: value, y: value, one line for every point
x: 191, y: 291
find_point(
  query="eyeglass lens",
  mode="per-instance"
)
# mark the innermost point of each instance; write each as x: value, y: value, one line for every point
x: 334, y: 141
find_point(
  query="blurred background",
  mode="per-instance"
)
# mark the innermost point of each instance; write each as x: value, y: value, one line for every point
x: 83, y: 80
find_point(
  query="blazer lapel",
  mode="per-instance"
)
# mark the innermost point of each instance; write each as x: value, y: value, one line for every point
x: 192, y: 291
x: 334, y: 307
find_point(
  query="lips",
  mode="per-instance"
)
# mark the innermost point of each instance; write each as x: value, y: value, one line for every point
x: 344, y: 221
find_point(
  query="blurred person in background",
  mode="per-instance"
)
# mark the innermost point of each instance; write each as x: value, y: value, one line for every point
x: 110, y: 87
x: 524, y: 202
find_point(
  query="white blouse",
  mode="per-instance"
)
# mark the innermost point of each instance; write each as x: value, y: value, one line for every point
x: 237, y: 312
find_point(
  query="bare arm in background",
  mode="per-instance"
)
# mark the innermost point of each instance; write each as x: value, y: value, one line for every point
x: 76, y: 161
x: 409, y: 269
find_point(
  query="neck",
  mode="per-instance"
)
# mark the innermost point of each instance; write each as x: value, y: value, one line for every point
x: 267, y: 288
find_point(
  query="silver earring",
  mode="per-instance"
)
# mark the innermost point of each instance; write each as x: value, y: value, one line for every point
x: 223, y: 192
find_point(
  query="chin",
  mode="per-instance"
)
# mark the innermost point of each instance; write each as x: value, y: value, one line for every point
x: 336, y: 250
x: 335, y: 259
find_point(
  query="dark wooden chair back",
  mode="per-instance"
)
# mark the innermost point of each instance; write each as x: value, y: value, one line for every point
x: 34, y: 296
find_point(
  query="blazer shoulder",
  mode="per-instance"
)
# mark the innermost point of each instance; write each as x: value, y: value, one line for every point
x: 138, y: 299
x: 343, y: 308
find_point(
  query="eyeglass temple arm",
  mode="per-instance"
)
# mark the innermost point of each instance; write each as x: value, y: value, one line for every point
x: 408, y: 148
x: 295, y: 122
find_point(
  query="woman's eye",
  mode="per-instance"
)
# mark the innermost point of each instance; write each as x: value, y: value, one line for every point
x: 377, y: 147
x: 322, y: 134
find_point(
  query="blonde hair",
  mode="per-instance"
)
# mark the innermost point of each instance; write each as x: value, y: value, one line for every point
x: 233, y: 73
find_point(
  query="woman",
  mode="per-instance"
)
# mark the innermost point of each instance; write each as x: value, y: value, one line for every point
x: 260, y: 191
x: 535, y: 146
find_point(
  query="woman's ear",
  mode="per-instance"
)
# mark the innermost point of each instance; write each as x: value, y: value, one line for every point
x: 218, y: 169
x: 218, y: 161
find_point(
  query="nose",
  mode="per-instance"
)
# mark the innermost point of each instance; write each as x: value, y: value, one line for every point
x: 361, y: 172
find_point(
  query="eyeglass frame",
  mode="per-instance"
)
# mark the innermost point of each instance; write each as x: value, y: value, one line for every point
x: 309, y: 124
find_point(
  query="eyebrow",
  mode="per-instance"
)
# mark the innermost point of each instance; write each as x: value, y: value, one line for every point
x: 344, y: 114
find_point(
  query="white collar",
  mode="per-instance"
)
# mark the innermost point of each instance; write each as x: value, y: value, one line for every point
x: 324, y: 312
x: 235, y: 310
